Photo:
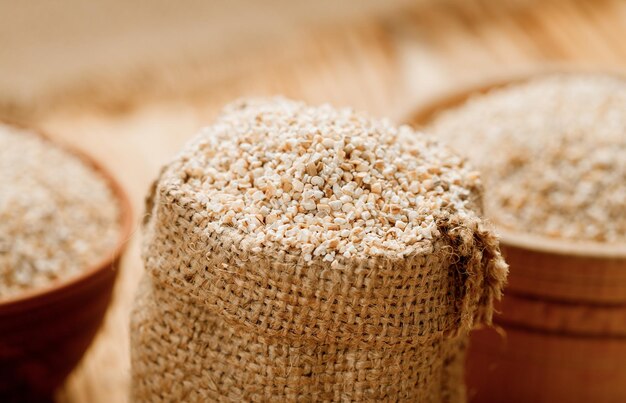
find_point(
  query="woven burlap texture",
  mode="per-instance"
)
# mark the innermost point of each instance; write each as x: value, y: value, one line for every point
x: 214, y: 321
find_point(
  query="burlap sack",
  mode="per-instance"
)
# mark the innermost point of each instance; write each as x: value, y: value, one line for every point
x: 216, y: 321
x: 224, y: 316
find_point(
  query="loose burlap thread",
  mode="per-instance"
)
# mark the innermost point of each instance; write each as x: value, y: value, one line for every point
x: 215, y: 321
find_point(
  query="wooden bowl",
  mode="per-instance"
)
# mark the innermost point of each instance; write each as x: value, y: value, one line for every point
x: 562, y: 322
x: 45, y: 332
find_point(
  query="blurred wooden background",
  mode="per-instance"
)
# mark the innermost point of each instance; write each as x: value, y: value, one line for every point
x: 130, y: 82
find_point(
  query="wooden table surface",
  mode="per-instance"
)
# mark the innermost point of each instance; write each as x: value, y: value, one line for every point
x: 136, y: 117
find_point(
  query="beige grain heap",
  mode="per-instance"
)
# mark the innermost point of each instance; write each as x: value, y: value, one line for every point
x: 308, y: 253
x: 58, y: 217
x: 552, y: 153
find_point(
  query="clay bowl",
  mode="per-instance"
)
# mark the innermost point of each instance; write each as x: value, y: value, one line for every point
x: 562, y: 322
x: 45, y: 332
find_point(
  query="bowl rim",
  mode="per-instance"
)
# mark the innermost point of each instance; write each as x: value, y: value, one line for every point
x: 427, y: 111
x: 58, y: 288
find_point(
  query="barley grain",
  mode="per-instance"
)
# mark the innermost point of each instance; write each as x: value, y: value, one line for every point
x: 552, y: 153
x: 57, y: 215
x: 319, y: 158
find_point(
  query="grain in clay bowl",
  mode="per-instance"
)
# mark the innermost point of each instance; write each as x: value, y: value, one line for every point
x: 563, y: 317
x: 49, y: 314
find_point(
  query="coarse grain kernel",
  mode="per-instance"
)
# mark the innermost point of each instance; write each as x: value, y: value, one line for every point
x: 552, y: 152
x: 323, y: 207
x: 317, y: 181
x: 58, y: 216
x: 328, y: 143
x: 286, y: 184
x: 258, y: 195
x: 311, y: 169
x: 228, y: 217
x: 348, y: 207
x: 335, y: 204
x: 298, y: 186
x: 309, y: 205
x: 376, y: 188
x: 324, y: 182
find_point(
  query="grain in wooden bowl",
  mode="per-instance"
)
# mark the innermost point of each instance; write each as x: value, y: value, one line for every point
x: 299, y: 253
x: 552, y: 153
x: 62, y: 224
